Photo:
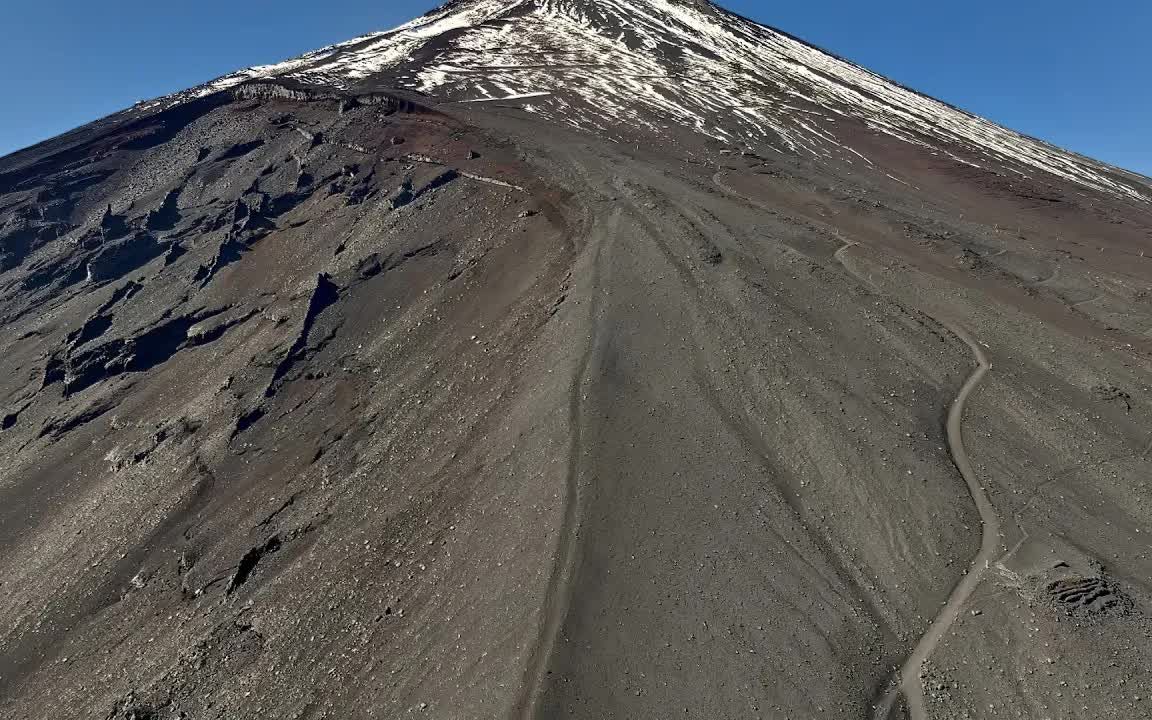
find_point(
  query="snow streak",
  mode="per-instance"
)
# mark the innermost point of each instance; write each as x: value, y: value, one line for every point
x: 653, y: 64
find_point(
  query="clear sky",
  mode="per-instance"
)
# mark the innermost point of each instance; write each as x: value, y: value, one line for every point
x: 1074, y: 73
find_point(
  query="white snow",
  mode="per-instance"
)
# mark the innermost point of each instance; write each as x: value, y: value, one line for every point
x: 652, y: 63
x: 518, y: 96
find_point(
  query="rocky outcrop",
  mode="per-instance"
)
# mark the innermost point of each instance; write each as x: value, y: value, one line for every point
x: 116, y: 259
x: 373, y: 410
x: 136, y: 353
x: 385, y: 102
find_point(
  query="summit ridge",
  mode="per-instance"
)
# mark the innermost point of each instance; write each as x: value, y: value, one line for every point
x: 650, y: 64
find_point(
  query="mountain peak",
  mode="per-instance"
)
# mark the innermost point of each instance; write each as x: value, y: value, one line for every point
x: 651, y: 363
x: 659, y: 64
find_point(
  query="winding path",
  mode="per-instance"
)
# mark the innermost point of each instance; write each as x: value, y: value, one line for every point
x: 909, y: 678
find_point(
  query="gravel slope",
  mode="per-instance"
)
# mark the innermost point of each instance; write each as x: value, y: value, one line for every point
x: 367, y: 403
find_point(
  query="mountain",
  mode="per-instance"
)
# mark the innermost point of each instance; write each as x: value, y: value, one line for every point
x: 571, y: 358
x: 655, y: 64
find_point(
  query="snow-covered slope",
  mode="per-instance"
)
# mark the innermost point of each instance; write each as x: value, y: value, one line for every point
x: 651, y: 64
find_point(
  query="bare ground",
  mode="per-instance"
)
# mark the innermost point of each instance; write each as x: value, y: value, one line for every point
x: 451, y: 413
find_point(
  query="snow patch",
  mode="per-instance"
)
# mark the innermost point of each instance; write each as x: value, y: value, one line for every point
x: 655, y: 63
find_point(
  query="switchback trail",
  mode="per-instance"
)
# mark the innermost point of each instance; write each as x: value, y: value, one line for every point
x: 908, y: 681
x: 909, y: 678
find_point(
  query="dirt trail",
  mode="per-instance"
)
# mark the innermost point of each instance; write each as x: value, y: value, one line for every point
x: 908, y: 682
x: 909, y: 676
x: 909, y: 679
x: 556, y: 601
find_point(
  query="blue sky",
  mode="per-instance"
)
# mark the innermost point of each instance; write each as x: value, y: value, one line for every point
x: 1070, y: 72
